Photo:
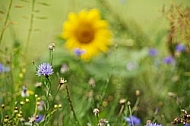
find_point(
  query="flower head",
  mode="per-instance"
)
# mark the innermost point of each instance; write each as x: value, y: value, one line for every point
x: 132, y: 120
x: 39, y: 118
x: 51, y: 46
x: 169, y: 60
x: 153, y: 124
x: 24, y: 92
x: 102, y: 122
x: 79, y: 52
x: 3, y: 68
x: 64, y: 68
x: 41, y: 105
x: 187, y: 124
x: 180, y: 47
x: 153, y: 52
x: 44, y: 69
x: 86, y: 31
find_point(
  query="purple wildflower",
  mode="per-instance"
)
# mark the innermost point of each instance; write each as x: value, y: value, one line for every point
x: 44, y: 69
x: 64, y: 68
x: 79, y: 52
x: 3, y: 68
x: 180, y: 47
x: 187, y: 124
x: 131, y: 66
x: 132, y: 120
x: 153, y: 124
x: 24, y: 92
x: 169, y: 60
x: 39, y: 118
x: 153, y: 52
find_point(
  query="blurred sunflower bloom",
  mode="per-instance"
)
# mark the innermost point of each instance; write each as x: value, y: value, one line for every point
x: 86, y: 31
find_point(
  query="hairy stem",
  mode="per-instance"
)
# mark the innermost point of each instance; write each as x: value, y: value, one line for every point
x: 71, y: 106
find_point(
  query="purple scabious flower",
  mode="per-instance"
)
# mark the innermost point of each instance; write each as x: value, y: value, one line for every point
x: 180, y: 47
x: 78, y: 51
x: 153, y: 52
x: 3, y: 68
x: 169, y: 60
x: 132, y: 120
x: 187, y: 124
x: 39, y: 118
x: 153, y: 124
x: 44, y: 69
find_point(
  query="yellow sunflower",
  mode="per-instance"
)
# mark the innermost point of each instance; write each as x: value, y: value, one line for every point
x: 86, y: 31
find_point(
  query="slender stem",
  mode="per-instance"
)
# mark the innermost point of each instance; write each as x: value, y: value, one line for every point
x: 130, y: 113
x: 49, y: 86
x: 6, y: 20
x: 122, y: 109
x: 71, y: 106
x: 56, y: 93
x: 51, y: 57
x: 30, y: 26
x: 136, y: 104
x: 36, y: 107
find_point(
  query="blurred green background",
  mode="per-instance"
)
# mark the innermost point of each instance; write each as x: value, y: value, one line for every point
x: 50, y: 15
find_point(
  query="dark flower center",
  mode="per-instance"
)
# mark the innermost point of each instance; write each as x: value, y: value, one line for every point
x: 85, y: 33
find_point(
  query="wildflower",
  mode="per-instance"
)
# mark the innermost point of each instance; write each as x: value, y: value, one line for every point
x: 86, y: 31
x: 38, y: 84
x: 62, y: 81
x: 92, y: 82
x: 32, y: 119
x: 137, y: 93
x: 79, y: 52
x: 64, y: 68
x: 44, y: 69
x: 24, y: 92
x: 180, y: 47
x: 41, y: 105
x: 96, y: 111
x: 51, y: 46
x: 27, y: 100
x: 153, y: 52
x: 3, y: 68
x: 169, y: 60
x: 39, y: 118
x: 153, y: 124
x: 187, y: 124
x: 122, y: 101
x: 3, y: 106
x: 132, y: 120
x: 103, y: 122
x: 131, y: 66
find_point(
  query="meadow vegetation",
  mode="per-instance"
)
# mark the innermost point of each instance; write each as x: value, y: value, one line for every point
x: 94, y: 63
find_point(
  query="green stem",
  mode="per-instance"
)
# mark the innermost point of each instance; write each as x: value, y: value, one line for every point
x: 130, y: 113
x: 136, y: 104
x: 30, y: 26
x: 48, y: 86
x: 51, y: 57
x: 71, y: 106
x: 56, y: 93
x: 6, y: 20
